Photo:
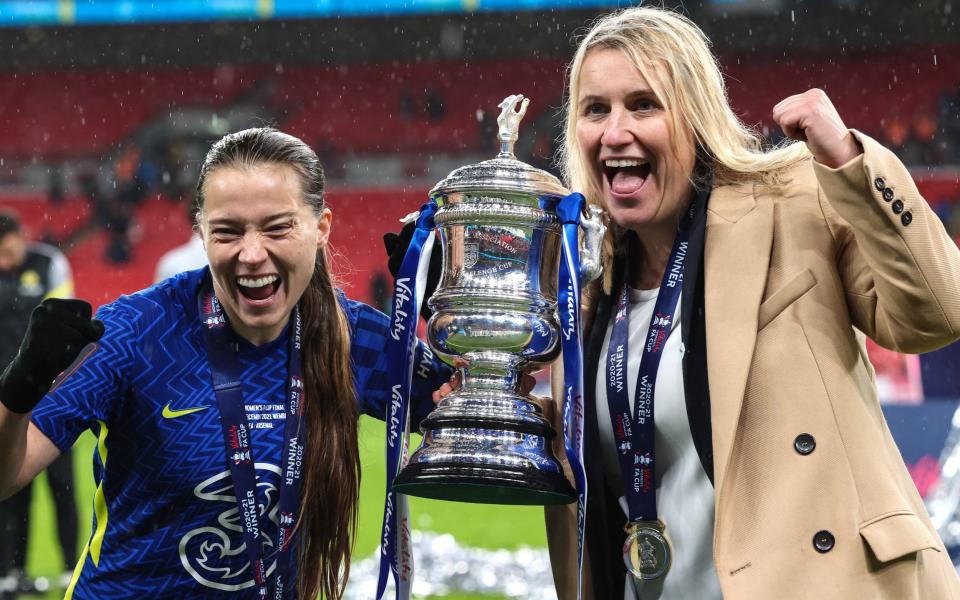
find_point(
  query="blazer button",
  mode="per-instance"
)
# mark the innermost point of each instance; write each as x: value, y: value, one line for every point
x: 879, y: 183
x: 906, y: 218
x: 887, y: 194
x: 897, y: 207
x: 804, y: 444
x: 823, y: 541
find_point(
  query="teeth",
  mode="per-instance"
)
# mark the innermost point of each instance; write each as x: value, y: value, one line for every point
x: 626, y: 162
x: 255, y: 282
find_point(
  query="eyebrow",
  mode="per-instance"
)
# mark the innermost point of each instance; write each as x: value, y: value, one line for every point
x: 589, y: 99
x: 643, y: 91
x: 270, y: 219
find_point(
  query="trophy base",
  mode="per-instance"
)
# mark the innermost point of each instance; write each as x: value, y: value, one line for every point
x: 481, y: 485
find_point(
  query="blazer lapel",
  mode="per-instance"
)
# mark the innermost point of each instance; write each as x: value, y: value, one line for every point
x: 736, y: 257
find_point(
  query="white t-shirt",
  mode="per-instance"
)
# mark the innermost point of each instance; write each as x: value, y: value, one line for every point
x: 185, y: 257
x: 684, y: 493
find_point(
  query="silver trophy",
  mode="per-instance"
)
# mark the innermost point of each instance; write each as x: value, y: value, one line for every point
x: 494, y: 318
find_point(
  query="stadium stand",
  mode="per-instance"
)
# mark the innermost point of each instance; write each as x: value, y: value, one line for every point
x: 424, y: 106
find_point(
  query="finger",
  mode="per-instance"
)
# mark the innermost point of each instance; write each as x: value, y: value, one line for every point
x: 548, y: 409
x: 98, y: 329
x: 71, y: 336
x: 70, y: 344
x: 80, y: 309
x: 78, y: 322
x: 527, y: 383
x: 784, y: 105
x: 390, y: 241
x: 406, y: 234
x: 455, y: 381
x: 789, y: 121
x: 794, y: 133
x: 91, y: 330
x: 791, y: 108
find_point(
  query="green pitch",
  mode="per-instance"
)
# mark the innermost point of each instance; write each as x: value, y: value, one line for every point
x: 479, y: 525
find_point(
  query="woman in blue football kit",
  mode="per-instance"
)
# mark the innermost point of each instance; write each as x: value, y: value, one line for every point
x: 225, y: 400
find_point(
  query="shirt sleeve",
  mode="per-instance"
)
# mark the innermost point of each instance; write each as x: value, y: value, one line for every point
x: 87, y: 390
x: 898, y: 265
x: 370, y: 329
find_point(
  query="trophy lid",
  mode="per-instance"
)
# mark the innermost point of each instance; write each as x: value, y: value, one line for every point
x: 504, y: 173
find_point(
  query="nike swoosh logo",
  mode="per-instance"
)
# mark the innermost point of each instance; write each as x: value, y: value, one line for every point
x: 169, y: 413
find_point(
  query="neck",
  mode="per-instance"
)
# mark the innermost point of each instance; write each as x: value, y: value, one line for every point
x: 649, y: 251
x: 257, y: 336
x: 648, y: 255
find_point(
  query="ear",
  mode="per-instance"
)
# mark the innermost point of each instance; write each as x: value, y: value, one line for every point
x: 324, y: 222
x: 200, y: 233
x: 200, y: 230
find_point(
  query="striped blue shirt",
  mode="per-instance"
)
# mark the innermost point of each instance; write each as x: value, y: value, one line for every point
x: 166, y: 521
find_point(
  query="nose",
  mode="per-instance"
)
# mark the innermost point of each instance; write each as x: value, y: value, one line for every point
x: 252, y: 251
x: 616, y: 131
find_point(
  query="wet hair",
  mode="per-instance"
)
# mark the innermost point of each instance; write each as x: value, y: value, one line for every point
x: 9, y: 223
x: 674, y: 56
x: 331, y: 487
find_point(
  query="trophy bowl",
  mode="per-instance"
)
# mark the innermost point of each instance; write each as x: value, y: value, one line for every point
x: 494, y: 318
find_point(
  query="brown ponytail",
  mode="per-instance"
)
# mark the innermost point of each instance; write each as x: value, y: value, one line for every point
x: 329, y: 497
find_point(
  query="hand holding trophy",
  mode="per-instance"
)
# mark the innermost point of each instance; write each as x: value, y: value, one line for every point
x: 506, y: 303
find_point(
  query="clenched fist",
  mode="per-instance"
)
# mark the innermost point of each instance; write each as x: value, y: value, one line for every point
x: 811, y: 117
x: 58, y: 330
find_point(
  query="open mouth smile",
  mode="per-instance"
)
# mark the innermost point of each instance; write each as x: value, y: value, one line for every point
x: 625, y: 176
x: 260, y: 288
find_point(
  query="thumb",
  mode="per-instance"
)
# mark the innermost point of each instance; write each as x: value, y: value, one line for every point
x: 97, y: 329
x: 390, y: 241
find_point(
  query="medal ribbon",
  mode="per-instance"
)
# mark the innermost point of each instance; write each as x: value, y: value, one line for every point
x: 226, y: 372
x: 569, y: 210
x: 635, y: 436
x: 395, y: 553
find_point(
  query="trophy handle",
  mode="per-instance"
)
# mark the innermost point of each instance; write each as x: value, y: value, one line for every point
x: 594, y: 228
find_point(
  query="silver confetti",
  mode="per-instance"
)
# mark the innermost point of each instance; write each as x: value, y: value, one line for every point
x: 443, y: 566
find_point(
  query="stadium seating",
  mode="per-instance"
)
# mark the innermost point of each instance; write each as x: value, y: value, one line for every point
x: 52, y: 115
x: 383, y: 108
x: 429, y: 106
x: 867, y: 89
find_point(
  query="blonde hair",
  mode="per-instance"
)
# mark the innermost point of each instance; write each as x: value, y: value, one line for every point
x: 673, y: 55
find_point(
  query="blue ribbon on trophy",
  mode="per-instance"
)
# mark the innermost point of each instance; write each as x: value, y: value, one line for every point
x: 396, y: 557
x: 568, y: 303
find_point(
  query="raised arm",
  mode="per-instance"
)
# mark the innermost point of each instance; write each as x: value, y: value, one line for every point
x: 900, y: 269
x: 58, y: 331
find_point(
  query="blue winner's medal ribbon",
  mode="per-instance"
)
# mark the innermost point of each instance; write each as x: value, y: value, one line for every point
x: 225, y: 368
x: 395, y: 553
x: 568, y: 306
x: 646, y: 551
x: 407, y: 298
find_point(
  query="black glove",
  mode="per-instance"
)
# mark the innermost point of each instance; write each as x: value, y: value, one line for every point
x: 58, y: 330
x: 396, y: 246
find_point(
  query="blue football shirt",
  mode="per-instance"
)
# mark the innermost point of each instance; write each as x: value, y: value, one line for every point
x: 165, y: 515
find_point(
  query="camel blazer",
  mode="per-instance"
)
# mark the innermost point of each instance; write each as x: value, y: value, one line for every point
x: 793, y: 279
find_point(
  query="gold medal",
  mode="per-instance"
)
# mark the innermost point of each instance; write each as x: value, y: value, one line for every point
x: 647, y: 551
